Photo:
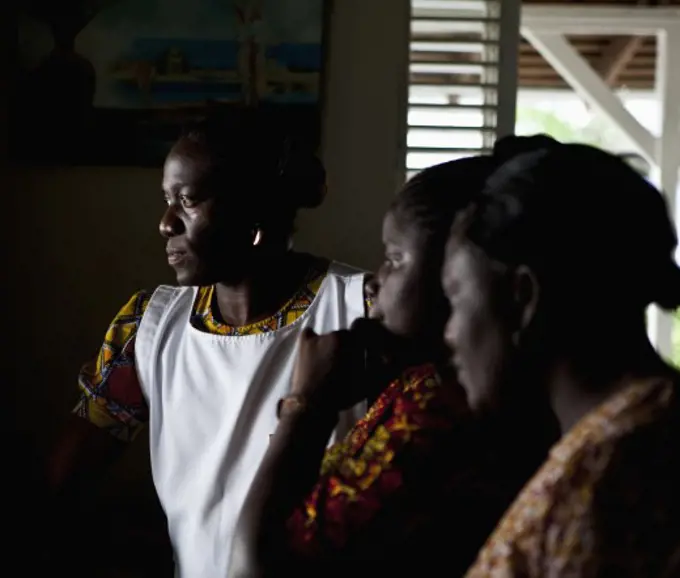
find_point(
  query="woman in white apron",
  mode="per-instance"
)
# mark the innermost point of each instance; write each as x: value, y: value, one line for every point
x: 204, y: 364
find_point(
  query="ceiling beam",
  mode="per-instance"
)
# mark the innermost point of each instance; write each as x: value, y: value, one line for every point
x: 620, y: 52
x: 616, y: 57
x: 579, y: 19
x: 571, y: 66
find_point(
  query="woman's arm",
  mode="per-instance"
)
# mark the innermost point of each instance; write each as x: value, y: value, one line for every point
x: 375, y: 488
x: 325, y: 381
x: 330, y: 375
x: 289, y: 471
x: 111, y: 411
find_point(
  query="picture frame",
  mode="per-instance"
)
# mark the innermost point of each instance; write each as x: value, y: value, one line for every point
x: 112, y: 82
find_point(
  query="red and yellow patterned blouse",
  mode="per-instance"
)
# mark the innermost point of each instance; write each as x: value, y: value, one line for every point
x: 416, y: 472
x: 606, y: 503
x: 111, y: 397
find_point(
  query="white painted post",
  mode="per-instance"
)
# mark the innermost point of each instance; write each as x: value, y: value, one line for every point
x: 667, y: 155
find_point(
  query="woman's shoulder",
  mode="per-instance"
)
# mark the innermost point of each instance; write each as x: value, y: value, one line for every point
x: 352, y: 279
x: 623, y: 473
x: 425, y: 390
x: 640, y: 424
x: 638, y: 405
x: 134, y: 308
x: 341, y: 269
x: 124, y: 326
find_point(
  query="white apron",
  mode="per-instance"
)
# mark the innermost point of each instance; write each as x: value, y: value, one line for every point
x: 212, y: 405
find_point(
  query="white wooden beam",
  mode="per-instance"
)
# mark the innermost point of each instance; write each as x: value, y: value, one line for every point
x: 668, y: 156
x: 605, y: 20
x: 620, y: 51
x: 668, y: 88
x: 574, y: 69
x: 617, y: 55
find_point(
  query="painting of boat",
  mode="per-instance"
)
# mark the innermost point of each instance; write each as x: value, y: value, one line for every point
x: 122, y: 76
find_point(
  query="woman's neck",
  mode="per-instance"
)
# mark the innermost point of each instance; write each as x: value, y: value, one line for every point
x: 263, y: 292
x: 580, y: 383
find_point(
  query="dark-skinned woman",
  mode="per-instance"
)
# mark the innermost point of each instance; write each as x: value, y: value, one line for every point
x: 419, y: 483
x: 203, y: 364
x: 549, y: 277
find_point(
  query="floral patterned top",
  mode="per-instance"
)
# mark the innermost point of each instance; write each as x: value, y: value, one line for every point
x: 606, y: 503
x: 414, y: 465
x: 111, y: 397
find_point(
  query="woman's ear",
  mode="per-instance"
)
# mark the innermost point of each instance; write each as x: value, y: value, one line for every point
x: 526, y: 293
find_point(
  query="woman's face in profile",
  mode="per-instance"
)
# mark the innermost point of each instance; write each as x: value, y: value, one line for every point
x: 208, y: 235
x: 478, y: 332
x: 408, y: 299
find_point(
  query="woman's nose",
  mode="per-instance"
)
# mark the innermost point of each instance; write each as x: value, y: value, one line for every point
x: 171, y: 225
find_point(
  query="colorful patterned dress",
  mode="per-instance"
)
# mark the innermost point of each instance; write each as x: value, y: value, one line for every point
x: 417, y: 483
x: 111, y: 396
x: 606, y: 503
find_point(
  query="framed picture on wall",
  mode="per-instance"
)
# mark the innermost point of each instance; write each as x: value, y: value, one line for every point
x: 111, y: 82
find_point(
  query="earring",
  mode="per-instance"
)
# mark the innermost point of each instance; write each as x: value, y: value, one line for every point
x: 258, y: 237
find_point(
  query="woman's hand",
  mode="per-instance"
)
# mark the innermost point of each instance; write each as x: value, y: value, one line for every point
x: 328, y: 370
x: 340, y: 369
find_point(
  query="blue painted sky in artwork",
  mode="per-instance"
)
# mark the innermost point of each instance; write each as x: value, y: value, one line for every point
x: 292, y: 33
x: 288, y: 21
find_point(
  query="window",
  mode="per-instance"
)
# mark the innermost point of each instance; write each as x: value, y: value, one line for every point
x: 462, y: 73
